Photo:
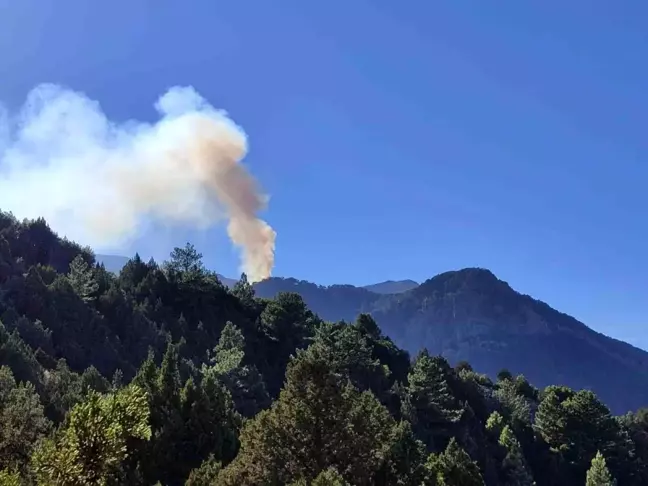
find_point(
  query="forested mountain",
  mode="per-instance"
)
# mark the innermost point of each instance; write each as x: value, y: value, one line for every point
x: 471, y: 315
x: 163, y: 375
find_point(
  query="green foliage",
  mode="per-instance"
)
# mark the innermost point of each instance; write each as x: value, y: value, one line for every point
x: 495, y: 424
x: 515, y: 405
x: 576, y: 425
x: 81, y: 278
x: 22, y: 421
x: 189, y: 422
x: 243, y: 290
x: 230, y: 350
x: 10, y: 478
x: 343, y: 427
x: 94, y: 443
x: 598, y: 474
x: 206, y: 474
x: 405, y: 459
x: 429, y: 403
x: 515, y: 468
x: 328, y: 477
x: 186, y: 261
x: 453, y: 467
x: 244, y: 383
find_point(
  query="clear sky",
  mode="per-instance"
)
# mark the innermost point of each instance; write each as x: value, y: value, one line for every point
x: 397, y: 139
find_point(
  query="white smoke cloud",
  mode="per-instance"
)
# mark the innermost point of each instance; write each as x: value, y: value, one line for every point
x: 98, y: 182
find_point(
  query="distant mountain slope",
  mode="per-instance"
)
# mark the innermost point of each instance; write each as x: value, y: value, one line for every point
x: 228, y: 282
x: 114, y: 263
x: 333, y: 303
x: 471, y: 315
x: 392, y: 287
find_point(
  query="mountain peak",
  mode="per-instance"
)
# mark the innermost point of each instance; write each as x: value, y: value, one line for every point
x: 476, y: 279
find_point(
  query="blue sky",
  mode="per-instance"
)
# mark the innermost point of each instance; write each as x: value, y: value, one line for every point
x: 397, y: 139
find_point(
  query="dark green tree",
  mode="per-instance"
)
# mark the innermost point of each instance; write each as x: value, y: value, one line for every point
x: 244, y: 382
x: 343, y: 427
x: 186, y: 261
x: 405, y: 459
x: 429, y: 403
x: 516, y: 470
x: 206, y: 474
x: 329, y: 477
x: 22, y: 421
x: 81, y: 278
x: 453, y: 467
x: 243, y: 290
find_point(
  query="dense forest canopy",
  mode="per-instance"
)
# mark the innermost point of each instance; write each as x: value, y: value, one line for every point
x: 162, y: 375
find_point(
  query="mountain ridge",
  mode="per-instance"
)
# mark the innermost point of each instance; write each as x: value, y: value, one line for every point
x: 114, y: 263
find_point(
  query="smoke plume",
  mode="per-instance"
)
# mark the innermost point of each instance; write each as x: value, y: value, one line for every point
x: 99, y: 182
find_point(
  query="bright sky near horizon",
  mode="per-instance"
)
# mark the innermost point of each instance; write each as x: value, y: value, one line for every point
x: 396, y: 139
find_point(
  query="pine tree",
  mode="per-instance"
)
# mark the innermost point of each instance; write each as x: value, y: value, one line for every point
x: 206, y: 474
x: 244, y: 290
x: 495, y: 424
x: 91, y: 448
x: 405, y: 459
x: 81, y: 278
x: 598, y: 474
x: 454, y: 467
x: 22, y: 421
x: 318, y: 422
x: 515, y: 405
x: 429, y: 403
x: 186, y: 261
x: 328, y: 477
x: 6, y: 260
x: 245, y: 383
x: 550, y: 420
x: 168, y: 379
x: 368, y: 325
x: 230, y: 350
x: 514, y: 465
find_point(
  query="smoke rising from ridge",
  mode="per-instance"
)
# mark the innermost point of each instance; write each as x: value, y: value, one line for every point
x: 99, y: 182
